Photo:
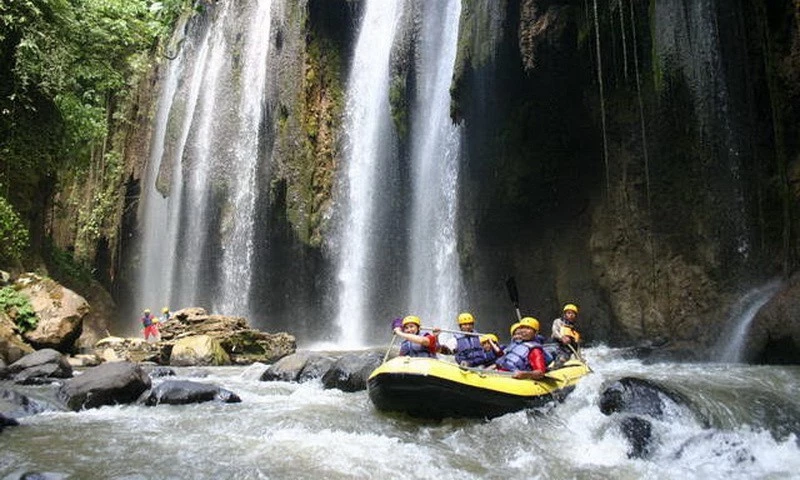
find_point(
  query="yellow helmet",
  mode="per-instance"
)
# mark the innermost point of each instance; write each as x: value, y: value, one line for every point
x: 572, y: 307
x: 489, y: 336
x: 465, y: 318
x: 411, y: 319
x: 146, y: 310
x: 165, y: 310
x: 526, y: 322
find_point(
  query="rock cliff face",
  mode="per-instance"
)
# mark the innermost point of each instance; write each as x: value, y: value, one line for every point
x: 642, y: 162
x: 635, y: 157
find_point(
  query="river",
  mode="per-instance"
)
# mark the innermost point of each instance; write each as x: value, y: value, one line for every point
x: 301, y: 431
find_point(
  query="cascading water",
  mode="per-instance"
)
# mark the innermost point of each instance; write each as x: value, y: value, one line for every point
x: 435, y: 273
x: 298, y: 431
x: 153, y: 207
x: 602, y: 99
x: 687, y: 40
x: 238, y: 238
x: 197, y: 244
x: 369, y: 140
x: 731, y: 346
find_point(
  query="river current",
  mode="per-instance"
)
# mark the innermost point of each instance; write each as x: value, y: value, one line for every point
x: 301, y: 431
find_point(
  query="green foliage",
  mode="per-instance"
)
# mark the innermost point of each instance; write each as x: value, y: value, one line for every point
x: 398, y: 101
x: 65, y: 268
x: 67, y: 66
x: 19, y: 308
x: 13, y: 234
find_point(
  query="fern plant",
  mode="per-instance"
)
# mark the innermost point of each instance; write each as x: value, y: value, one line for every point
x: 18, y: 308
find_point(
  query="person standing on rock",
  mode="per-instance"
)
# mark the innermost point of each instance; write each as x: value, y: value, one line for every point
x: 165, y: 315
x: 150, y: 324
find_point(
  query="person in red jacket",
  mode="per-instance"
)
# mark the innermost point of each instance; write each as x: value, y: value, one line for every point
x: 150, y: 324
x: 524, y: 355
x: 414, y: 344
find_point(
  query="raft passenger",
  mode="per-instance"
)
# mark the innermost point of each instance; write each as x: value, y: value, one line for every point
x: 492, y: 350
x: 414, y: 344
x: 466, y: 346
x: 524, y: 355
x: 565, y: 333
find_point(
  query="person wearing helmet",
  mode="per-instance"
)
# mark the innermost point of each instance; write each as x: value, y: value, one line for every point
x: 150, y: 324
x: 414, y: 344
x: 492, y: 350
x: 165, y: 315
x: 524, y: 355
x: 466, y: 346
x: 565, y: 333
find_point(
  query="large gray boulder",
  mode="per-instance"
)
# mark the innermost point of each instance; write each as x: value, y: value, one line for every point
x: 106, y: 384
x: 637, y: 402
x: 300, y: 366
x: 350, y: 372
x: 40, y: 366
x: 7, y: 422
x: 16, y: 405
x: 182, y: 392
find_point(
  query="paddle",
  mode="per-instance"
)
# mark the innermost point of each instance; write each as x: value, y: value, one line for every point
x: 513, y: 293
x: 476, y: 334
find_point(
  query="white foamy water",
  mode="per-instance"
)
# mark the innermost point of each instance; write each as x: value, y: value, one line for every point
x: 301, y: 431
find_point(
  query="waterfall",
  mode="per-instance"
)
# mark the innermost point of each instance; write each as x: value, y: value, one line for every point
x: 368, y: 147
x: 645, y: 154
x: 197, y: 243
x: 238, y: 254
x: 435, y: 273
x: 602, y: 100
x: 687, y: 41
x: 741, y: 316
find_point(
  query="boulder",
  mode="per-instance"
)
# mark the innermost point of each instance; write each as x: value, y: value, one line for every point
x: 159, y: 372
x: 96, y: 322
x: 7, y: 422
x: 639, y: 432
x: 243, y: 344
x: 316, y: 367
x: 182, y: 392
x: 774, y: 336
x: 118, y: 349
x: 643, y: 397
x: 16, y: 405
x: 288, y: 368
x: 12, y: 346
x: 60, y: 313
x: 106, y: 384
x: 84, y: 360
x: 198, y: 350
x: 40, y: 366
x: 639, y: 401
x: 350, y: 372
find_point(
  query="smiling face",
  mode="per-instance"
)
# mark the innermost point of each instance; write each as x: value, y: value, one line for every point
x: 524, y: 333
x: 466, y: 327
x: 412, y: 328
x: 570, y: 315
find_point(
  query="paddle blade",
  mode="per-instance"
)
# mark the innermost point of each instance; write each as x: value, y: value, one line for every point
x: 397, y: 323
x: 513, y: 294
